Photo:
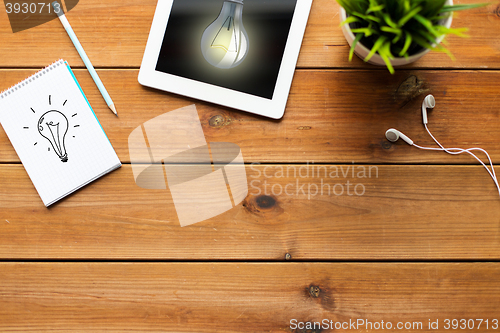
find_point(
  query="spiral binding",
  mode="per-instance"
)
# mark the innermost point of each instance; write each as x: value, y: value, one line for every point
x: 30, y: 79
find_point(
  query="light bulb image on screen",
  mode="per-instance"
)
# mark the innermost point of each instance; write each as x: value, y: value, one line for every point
x: 53, y: 126
x: 224, y: 43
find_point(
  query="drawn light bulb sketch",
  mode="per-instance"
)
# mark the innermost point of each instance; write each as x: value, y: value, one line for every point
x: 224, y: 42
x: 53, y: 126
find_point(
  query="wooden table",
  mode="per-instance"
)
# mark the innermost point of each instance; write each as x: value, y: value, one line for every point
x: 422, y: 242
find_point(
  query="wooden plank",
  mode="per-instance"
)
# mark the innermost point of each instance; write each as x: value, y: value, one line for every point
x: 114, y: 34
x: 384, y: 212
x: 326, y: 120
x: 245, y: 297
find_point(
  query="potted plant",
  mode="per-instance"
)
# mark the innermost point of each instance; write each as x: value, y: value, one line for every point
x: 397, y: 32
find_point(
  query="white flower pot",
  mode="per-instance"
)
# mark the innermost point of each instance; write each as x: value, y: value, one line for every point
x: 361, y: 51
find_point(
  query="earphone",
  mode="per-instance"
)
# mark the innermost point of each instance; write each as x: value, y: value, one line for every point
x: 393, y: 135
x: 429, y: 102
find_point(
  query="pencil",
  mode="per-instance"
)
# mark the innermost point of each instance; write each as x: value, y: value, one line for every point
x: 60, y: 13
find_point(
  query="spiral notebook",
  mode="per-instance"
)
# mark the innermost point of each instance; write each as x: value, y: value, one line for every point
x: 55, y: 132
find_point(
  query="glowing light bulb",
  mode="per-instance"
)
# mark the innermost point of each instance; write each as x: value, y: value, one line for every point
x: 224, y: 43
x: 53, y: 126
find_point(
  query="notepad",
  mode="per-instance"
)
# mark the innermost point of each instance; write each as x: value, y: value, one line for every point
x: 55, y: 132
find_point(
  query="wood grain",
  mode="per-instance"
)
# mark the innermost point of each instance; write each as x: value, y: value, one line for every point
x: 114, y: 34
x: 401, y: 212
x: 208, y: 297
x: 411, y: 207
x: 332, y: 116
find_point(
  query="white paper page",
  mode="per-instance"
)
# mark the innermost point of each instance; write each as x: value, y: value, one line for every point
x: 47, y: 103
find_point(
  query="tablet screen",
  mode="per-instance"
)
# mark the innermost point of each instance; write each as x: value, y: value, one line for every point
x: 235, y: 44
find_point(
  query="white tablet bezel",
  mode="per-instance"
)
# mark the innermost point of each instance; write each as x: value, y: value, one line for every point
x: 273, y: 108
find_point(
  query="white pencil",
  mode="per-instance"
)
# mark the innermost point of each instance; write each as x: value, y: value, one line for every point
x: 60, y: 13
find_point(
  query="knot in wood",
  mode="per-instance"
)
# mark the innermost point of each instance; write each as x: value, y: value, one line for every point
x: 217, y: 121
x: 265, y: 201
x: 314, y: 291
x: 263, y: 205
x: 386, y: 144
x: 410, y: 88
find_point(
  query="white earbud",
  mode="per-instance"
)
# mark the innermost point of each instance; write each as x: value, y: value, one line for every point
x: 393, y: 135
x: 428, y: 103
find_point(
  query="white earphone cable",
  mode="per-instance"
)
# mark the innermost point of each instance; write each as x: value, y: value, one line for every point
x: 492, y: 173
x: 456, y: 151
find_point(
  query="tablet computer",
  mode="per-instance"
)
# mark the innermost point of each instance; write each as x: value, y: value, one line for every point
x: 237, y: 53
